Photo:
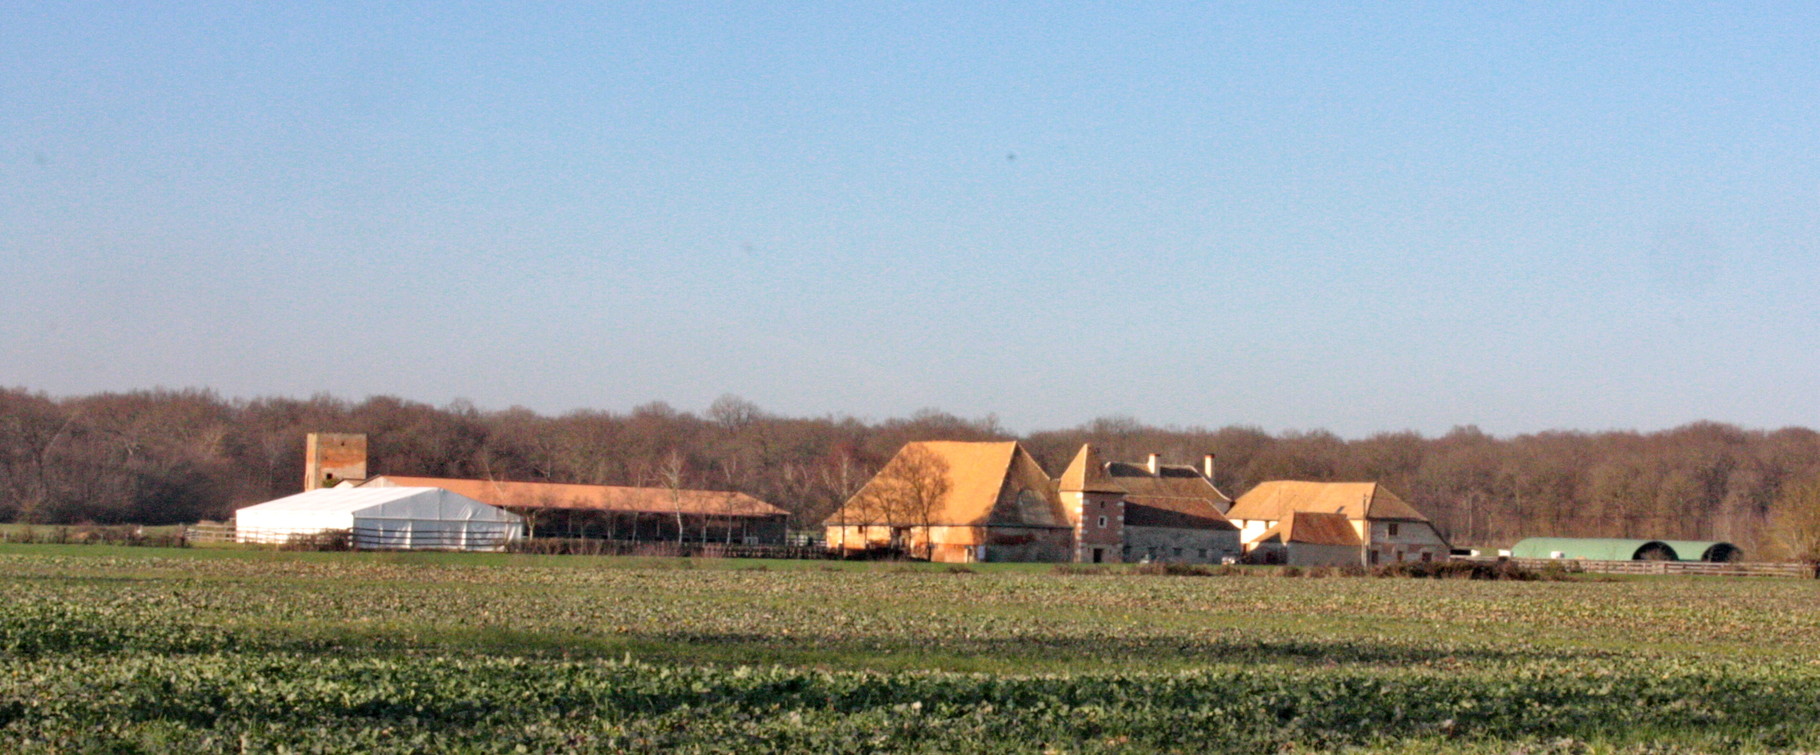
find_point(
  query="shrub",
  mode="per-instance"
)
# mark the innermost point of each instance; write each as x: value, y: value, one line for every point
x: 1174, y: 570
x: 327, y: 540
x: 90, y: 534
x: 1482, y: 570
x: 1290, y: 571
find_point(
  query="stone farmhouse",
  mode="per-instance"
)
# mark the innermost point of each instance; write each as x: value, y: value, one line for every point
x: 972, y: 502
x: 1297, y: 522
x: 1173, y: 513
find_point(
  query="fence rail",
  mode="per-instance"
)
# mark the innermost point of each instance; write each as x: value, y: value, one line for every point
x: 358, y: 538
x: 368, y: 539
x: 598, y: 547
x: 1703, y: 568
x: 209, y: 533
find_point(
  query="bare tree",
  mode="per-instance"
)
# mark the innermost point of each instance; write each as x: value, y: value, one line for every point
x: 842, y: 477
x: 672, y: 471
x: 729, y: 500
x: 1795, y: 521
x: 907, y: 493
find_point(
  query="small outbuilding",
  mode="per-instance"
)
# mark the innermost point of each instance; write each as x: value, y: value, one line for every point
x: 1309, y: 538
x: 1705, y: 550
x: 1593, y: 549
x: 405, y: 518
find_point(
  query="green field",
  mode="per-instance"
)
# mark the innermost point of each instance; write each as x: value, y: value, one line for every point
x: 149, y: 650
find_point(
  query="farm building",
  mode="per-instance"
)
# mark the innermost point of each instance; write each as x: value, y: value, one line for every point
x: 563, y: 510
x: 403, y: 518
x: 1387, y: 527
x: 1097, y: 507
x: 617, y: 513
x: 1173, y: 513
x: 1604, y: 549
x: 954, y: 501
x: 960, y: 502
x: 1705, y: 550
x: 1308, y: 538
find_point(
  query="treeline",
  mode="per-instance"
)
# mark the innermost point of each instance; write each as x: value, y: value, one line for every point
x: 164, y: 456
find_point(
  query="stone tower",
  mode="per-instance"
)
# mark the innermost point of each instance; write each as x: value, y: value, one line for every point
x: 1095, y: 506
x: 329, y: 458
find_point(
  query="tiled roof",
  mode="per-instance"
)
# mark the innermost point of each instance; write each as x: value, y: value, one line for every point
x: 1087, y: 473
x: 1313, y: 528
x: 546, y: 495
x: 1272, y: 501
x: 1176, y: 496
x: 1171, y: 481
x: 979, y: 475
x: 1181, y: 513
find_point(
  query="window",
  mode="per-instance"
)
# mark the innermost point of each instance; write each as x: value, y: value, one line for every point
x: 1102, y: 522
x: 1178, y: 553
x: 1391, y: 529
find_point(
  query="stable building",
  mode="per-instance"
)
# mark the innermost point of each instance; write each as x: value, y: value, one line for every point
x: 546, y: 509
x: 612, y: 512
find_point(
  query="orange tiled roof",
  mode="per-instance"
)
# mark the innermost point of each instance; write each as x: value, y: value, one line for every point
x: 1272, y: 501
x: 978, y: 476
x: 1087, y: 474
x: 1313, y: 528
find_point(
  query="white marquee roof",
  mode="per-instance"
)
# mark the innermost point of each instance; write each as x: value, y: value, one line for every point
x: 382, y: 503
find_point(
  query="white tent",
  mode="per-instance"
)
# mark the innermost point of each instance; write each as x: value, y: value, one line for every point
x: 393, y: 518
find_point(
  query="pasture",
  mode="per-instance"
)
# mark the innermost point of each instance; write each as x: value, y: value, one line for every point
x: 151, y: 650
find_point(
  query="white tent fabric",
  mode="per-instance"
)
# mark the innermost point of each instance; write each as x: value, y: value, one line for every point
x: 388, y: 518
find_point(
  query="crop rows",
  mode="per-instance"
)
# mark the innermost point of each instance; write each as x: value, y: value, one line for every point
x: 152, y: 653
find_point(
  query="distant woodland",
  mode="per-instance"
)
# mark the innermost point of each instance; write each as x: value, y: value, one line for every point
x: 164, y: 456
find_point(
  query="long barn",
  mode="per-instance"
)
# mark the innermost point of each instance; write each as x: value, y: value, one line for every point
x: 616, y: 512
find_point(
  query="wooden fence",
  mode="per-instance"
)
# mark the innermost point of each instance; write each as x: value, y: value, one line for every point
x: 209, y: 533
x: 360, y: 539
x: 1701, y: 568
x: 597, y: 547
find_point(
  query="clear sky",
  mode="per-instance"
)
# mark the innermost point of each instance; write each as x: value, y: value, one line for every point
x: 1359, y: 217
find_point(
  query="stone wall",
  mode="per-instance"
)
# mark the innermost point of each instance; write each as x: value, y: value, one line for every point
x: 1180, y: 545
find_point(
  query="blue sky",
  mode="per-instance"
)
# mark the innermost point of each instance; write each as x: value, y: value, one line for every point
x: 1359, y: 217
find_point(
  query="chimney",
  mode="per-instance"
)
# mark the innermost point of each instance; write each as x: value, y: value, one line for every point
x: 1156, y: 464
x: 329, y: 458
x: 1207, y: 466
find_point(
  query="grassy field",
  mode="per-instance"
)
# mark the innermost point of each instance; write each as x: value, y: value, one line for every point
x: 138, y: 649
